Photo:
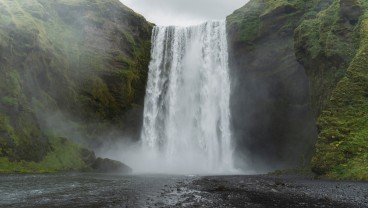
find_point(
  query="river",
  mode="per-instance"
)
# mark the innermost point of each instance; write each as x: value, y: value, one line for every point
x: 100, y: 190
x: 89, y: 190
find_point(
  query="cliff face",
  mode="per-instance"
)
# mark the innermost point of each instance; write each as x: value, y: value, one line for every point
x: 85, y: 62
x: 333, y: 48
x: 280, y: 50
x: 299, y: 74
x: 270, y: 108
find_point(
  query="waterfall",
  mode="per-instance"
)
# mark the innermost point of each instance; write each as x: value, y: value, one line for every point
x: 186, y: 124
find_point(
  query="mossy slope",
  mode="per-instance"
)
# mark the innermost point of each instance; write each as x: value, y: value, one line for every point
x: 271, y: 111
x: 86, y: 60
x: 334, y: 49
x: 64, y: 155
x: 325, y: 45
x: 328, y: 38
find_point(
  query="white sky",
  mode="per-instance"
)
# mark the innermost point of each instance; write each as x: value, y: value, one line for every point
x: 183, y: 12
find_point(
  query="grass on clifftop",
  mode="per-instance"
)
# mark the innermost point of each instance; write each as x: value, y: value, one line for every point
x: 247, y: 21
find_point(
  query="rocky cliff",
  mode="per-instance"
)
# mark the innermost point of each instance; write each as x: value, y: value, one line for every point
x: 75, y: 70
x: 301, y: 62
x: 333, y: 48
x: 271, y: 112
x: 75, y: 64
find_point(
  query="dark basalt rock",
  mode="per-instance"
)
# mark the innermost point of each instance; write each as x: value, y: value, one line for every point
x: 271, y: 117
x: 88, y: 156
x: 104, y: 165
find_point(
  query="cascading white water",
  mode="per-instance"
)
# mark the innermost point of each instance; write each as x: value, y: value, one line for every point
x: 186, y: 113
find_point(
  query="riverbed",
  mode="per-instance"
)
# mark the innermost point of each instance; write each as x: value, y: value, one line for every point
x: 104, y: 190
x: 89, y: 190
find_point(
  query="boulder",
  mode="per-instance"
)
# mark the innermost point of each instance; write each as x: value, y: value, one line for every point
x: 104, y: 165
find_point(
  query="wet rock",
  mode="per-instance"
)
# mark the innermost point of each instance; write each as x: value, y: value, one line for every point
x: 104, y: 165
x: 262, y: 60
x: 87, y: 156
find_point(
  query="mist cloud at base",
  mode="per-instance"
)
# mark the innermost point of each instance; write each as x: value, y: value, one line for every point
x: 119, y: 145
x: 144, y: 161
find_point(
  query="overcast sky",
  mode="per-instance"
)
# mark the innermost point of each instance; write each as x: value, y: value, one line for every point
x: 183, y: 12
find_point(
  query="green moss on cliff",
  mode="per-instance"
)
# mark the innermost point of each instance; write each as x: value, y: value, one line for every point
x: 325, y: 46
x: 255, y: 18
x: 271, y: 82
x: 328, y: 37
x: 85, y: 59
x: 11, y: 88
x: 333, y: 47
x: 64, y: 156
x: 246, y: 21
x: 75, y: 41
x: 342, y: 148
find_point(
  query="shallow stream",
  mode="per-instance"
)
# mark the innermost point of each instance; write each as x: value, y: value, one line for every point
x: 89, y: 190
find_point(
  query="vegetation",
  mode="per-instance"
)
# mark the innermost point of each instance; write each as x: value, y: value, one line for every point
x: 270, y: 81
x: 63, y: 156
x: 325, y: 45
x: 329, y: 39
x: 246, y: 22
x: 86, y: 60
x: 332, y: 48
x: 342, y: 148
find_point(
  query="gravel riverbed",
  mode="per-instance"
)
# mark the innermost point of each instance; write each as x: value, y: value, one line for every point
x: 100, y: 190
x: 270, y: 191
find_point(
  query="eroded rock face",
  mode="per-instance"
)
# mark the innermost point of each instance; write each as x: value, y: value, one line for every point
x: 69, y: 66
x: 271, y: 116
